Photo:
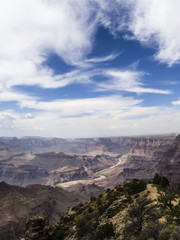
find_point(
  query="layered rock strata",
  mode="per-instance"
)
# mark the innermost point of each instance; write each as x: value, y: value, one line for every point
x: 169, y: 164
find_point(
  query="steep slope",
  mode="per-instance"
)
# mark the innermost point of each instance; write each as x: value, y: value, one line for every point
x: 17, y: 204
x: 127, y: 212
x: 169, y: 164
x: 136, y: 145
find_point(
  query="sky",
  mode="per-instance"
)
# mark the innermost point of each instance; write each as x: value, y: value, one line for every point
x: 89, y: 68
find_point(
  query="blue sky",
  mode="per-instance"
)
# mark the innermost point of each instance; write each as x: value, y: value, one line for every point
x: 91, y: 68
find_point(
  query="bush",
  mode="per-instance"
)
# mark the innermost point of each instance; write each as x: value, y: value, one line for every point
x: 175, y: 214
x: 102, y: 209
x: 135, y: 186
x: 60, y: 235
x: 151, y: 231
x: 90, y: 210
x: 93, y: 199
x: 156, y: 180
x: 164, y: 182
x: 105, y: 231
x: 100, y: 195
x: 161, y: 181
x: 99, y: 202
x: 84, y: 226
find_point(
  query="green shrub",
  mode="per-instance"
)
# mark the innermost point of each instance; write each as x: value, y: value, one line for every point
x: 161, y: 181
x: 156, y: 180
x: 99, y: 202
x: 135, y: 186
x: 93, y: 199
x: 105, y: 231
x: 100, y: 195
x: 60, y: 235
x: 164, y: 182
x: 84, y: 226
x: 102, y: 209
x: 90, y: 210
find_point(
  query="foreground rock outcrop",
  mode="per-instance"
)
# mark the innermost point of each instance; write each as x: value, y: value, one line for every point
x: 37, y: 229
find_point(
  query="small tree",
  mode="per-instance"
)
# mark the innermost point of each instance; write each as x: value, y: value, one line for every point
x: 156, y: 180
x: 82, y: 226
x: 167, y: 197
x: 161, y: 181
x: 139, y: 213
x: 164, y: 182
x: 151, y: 231
x: 175, y: 214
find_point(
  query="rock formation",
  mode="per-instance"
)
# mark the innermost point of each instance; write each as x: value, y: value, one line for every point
x: 123, y: 158
x: 169, y: 164
x: 37, y: 229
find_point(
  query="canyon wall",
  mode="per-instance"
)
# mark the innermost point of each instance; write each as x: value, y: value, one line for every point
x: 169, y: 164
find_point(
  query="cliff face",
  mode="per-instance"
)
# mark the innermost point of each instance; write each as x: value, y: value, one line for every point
x: 169, y: 164
x: 141, y: 154
x: 121, y: 145
x: 51, y: 168
x: 17, y: 204
x: 135, y: 145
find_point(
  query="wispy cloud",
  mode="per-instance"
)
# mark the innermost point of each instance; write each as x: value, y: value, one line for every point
x: 6, y: 96
x: 67, y: 107
x: 127, y: 80
x: 176, y: 103
x: 107, y: 58
x: 31, y: 30
x: 68, y: 29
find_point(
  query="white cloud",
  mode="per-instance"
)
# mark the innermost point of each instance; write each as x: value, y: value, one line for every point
x: 132, y: 120
x: 29, y: 31
x: 7, y: 95
x: 32, y: 27
x: 127, y: 80
x: 99, y: 105
x: 156, y: 23
x: 7, y: 120
x: 109, y: 57
x: 176, y: 102
x: 29, y: 116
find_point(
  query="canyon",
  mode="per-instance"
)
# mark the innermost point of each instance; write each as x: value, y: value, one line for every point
x: 37, y: 182
x: 103, y: 161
